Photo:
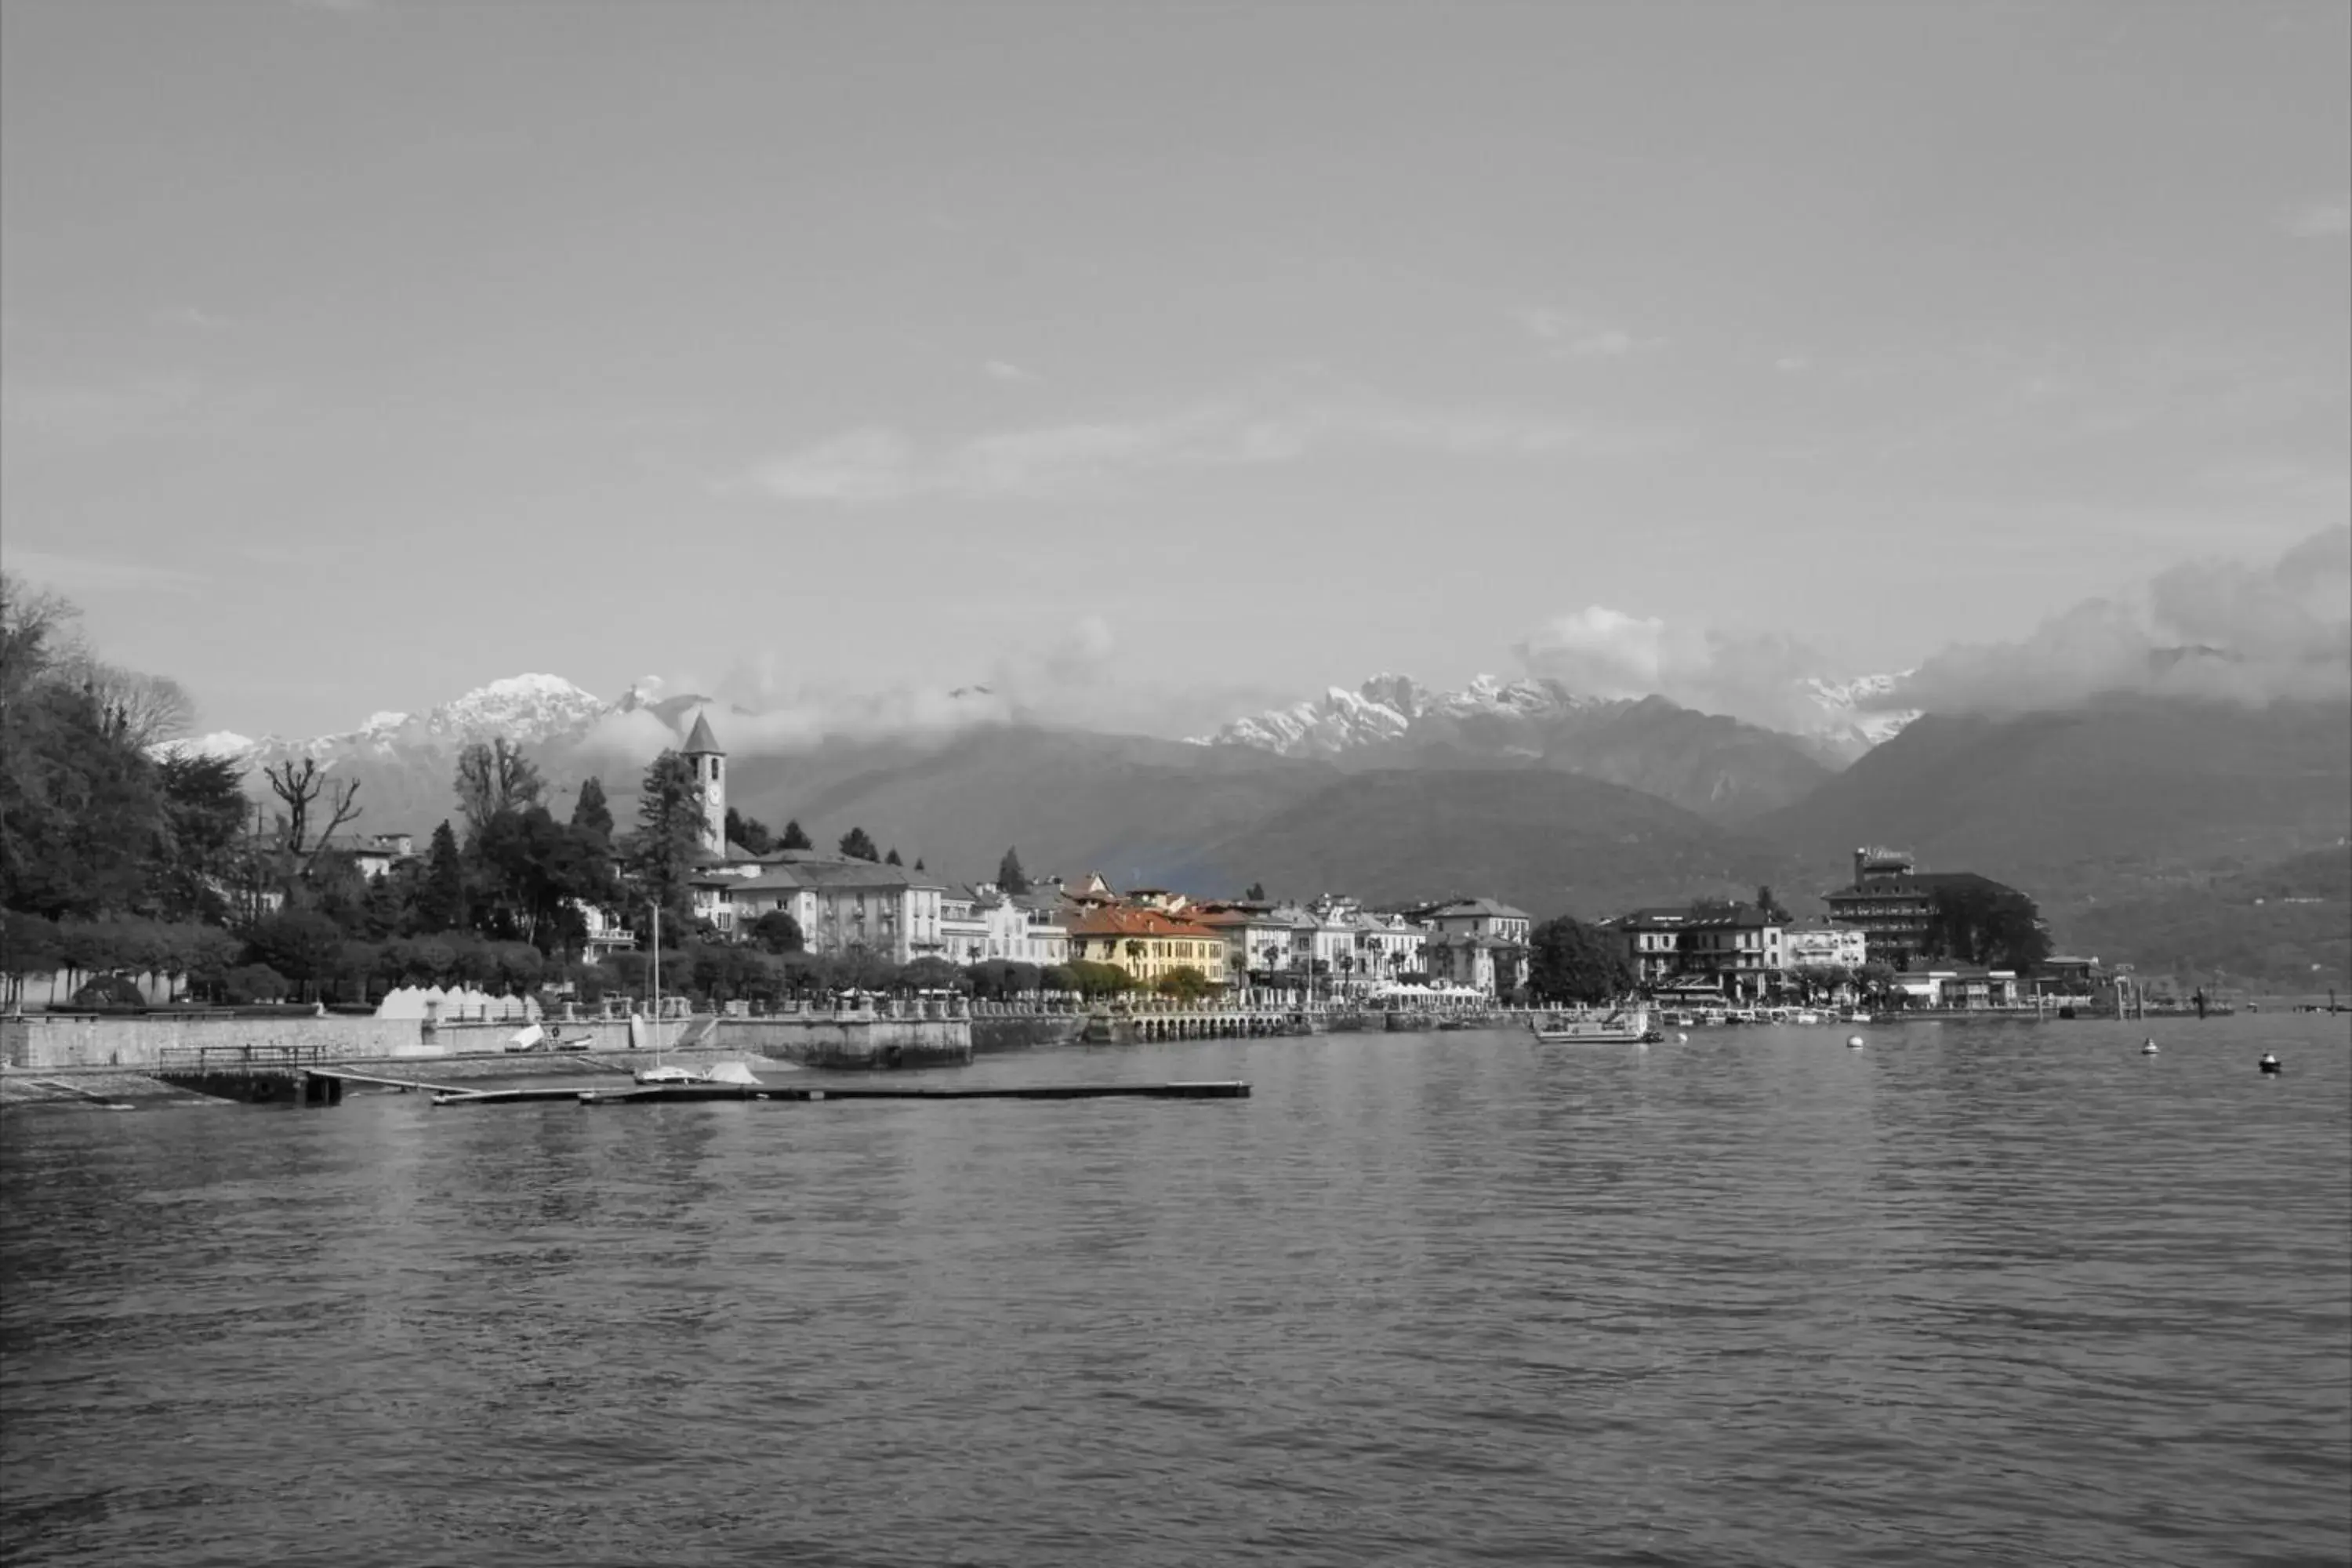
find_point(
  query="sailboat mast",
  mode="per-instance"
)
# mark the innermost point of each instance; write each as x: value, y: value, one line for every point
x: 656, y: 978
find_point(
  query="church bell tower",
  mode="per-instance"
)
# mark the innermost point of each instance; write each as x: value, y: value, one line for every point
x: 710, y: 765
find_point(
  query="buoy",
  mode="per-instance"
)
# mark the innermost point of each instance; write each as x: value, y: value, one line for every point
x: 2148, y: 1049
x: 1681, y: 1039
x: 1853, y: 1042
x: 2270, y: 1063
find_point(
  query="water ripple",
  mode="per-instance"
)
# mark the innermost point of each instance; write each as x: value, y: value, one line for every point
x: 1969, y: 1296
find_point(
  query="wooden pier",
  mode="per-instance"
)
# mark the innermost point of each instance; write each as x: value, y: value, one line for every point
x: 686, y: 1093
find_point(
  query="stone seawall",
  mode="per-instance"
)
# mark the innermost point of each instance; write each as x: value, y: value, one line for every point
x: 1018, y: 1032
x: 823, y: 1040
x: 42, y: 1042
x: 849, y: 1042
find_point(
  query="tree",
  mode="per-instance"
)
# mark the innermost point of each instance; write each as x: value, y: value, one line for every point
x: 918, y: 863
x: 306, y: 792
x: 662, y: 852
x: 1980, y: 922
x: 1771, y: 906
x: 80, y: 806
x: 303, y: 945
x: 1090, y: 979
x: 794, y: 838
x: 1009, y: 874
x: 1256, y: 894
x: 540, y: 873
x: 1185, y: 984
x: 857, y: 846
x: 203, y: 817
x: 1569, y: 961
x: 929, y: 974
x: 590, y: 813
x: 151, y: 709
x: 892, y: 857
x: 776, y: 931
x: 749, y: 832
x: 494, y: 776
x: 441, y: 900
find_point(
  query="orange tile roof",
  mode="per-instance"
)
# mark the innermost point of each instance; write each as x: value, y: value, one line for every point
x: 1141, y: 922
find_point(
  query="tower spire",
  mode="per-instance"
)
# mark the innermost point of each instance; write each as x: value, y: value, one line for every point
x: 709, y: 762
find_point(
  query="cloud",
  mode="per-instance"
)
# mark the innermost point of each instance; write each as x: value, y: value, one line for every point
x: 1750, y: 675
x: 860, y: 466
x: 1575, y: 336
x: 192, y: 319
x: 2215, y: 629
x: 2328, y: 218
x: 878, y: 465
x: 1066, y: 678
x: 94, y: 574
x: 1007, y: 372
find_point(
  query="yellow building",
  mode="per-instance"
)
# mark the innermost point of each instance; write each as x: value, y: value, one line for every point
x: 1148, y: 944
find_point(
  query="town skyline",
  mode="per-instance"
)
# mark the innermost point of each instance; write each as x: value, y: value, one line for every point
x: 1421, y: 341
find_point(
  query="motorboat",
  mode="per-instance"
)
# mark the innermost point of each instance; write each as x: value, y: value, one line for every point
x: 1856, y: 1015
x: 1624, y: 1028
x: 718, y: 1072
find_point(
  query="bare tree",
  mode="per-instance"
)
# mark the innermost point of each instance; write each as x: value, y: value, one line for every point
x: 143, y: 709
x: 40, y: 631
x: 495, y: 776
x: 306, y: 793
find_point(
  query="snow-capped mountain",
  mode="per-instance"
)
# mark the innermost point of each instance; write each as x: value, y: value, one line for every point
x: 1383, y: 709
x: 1521, y: 717
x: 529, y: 709
x: 1852, y: 715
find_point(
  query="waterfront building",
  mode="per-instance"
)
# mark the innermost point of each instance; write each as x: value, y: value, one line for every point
x: 1653, y: 943
x: 1020, y: 928
x: 1388, y: 947
x: 838, y: 902
x: 1962, y: 986
x: 965, y: 932
x: 1148, y: 944
x: 1819, y: 943
x: 1893, y: 903
x: 1741, y: 949
x: 1479, y: 943
x: 1266, y: 944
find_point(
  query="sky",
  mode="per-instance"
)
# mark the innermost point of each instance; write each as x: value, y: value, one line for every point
x: 1163, y: 361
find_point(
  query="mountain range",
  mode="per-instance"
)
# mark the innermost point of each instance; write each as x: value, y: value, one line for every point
x: 2119, y: 815
x: 1842, y: 720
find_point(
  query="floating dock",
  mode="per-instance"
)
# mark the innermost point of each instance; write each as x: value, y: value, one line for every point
x: 681, y: 1093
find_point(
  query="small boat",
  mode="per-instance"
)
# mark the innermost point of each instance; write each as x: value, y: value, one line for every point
x: 1454, y: 1021
x: 1615, y: 1029
x: 1856, y: 1015
x: 1806, y: 1016
x: 663, y: 1072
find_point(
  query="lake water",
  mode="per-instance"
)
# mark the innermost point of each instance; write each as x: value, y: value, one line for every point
x: 1971, y: 1294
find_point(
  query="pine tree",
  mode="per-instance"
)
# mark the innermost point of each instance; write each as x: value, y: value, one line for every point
x: 590, y: 813
x: 441, y: 903
x: 892, y: 857
x: 858, y: 845
x: 1256, y: 894
x: 794, y: 838
x: 662, y: 851
x: 1009, y: 874
x: 749, y: 832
